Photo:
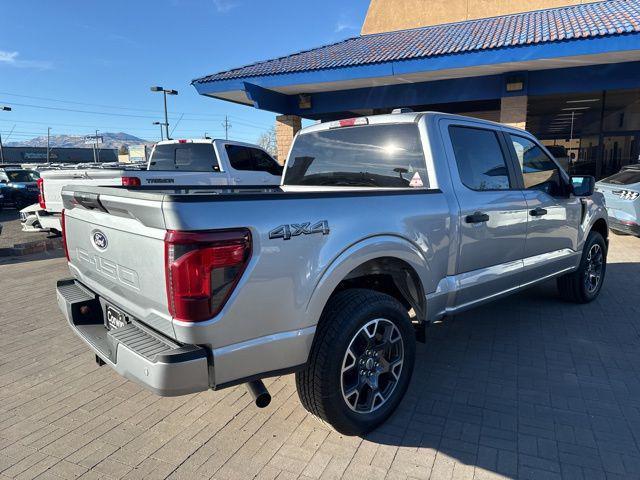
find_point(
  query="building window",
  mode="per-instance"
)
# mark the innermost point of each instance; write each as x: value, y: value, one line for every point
x: 621, y: 111
x: 589, y: 134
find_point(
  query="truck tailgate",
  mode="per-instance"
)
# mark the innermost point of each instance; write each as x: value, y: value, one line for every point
x: 116, y: 248
x: 55, y: 180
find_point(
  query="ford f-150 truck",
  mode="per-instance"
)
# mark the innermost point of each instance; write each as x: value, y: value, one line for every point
x: 381, y: 225
x: 172, y: 162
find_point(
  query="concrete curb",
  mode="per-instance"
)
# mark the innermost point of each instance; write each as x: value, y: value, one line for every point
x: 38, y: 246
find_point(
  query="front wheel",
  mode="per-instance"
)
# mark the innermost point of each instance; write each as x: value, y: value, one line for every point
x: 360, y: 362
x: 584, y: 285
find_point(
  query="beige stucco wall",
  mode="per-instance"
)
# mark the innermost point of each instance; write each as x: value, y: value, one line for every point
x: 513, y: 111
x: 389, y: 15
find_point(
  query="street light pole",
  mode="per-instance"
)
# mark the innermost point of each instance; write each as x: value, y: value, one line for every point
x: 165, y: 92
x: 161, y: 124
x: 166, y: 116
x: 4, y: 109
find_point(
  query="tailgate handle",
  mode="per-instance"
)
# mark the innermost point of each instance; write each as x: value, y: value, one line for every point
x: 90, y: 201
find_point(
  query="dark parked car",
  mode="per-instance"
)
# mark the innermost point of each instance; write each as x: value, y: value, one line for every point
x: 18, y: 187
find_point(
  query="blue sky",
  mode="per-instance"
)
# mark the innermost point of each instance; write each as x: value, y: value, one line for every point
x: 74, y: 57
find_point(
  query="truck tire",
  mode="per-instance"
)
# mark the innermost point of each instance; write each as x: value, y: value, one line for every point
x: 584, y: 285
x: 360, y: 363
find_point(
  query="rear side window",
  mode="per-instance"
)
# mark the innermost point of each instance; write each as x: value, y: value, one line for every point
x: 193, y: 157
x: 480, y: 159
x: 363, y: 156
x: 625, y: 177
x: 538, y: 170
x: 253, y: 159
x: 22, y: 176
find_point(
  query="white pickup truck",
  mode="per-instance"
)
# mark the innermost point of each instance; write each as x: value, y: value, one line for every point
x: 172, y: 162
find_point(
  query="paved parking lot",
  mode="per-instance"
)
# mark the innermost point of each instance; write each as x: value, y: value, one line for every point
x: 528, y: 387
x: 13, y: 239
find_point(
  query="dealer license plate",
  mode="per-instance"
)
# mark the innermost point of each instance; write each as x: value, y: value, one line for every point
x: 116, y: 318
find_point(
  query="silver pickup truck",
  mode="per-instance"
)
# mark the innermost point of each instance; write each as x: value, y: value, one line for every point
x: 382, y: 225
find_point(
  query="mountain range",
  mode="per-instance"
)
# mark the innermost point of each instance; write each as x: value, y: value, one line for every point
x: 109, y: 140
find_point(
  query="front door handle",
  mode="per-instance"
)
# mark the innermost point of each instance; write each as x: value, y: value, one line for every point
x: 538, y: 212
x: 477, y: 217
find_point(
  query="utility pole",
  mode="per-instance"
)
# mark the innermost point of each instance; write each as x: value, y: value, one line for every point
x: 48, y: 143
x: 226, y: 125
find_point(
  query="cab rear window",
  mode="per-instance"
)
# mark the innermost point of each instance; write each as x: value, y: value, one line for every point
x: 363, y: 156
x: 193, y: 157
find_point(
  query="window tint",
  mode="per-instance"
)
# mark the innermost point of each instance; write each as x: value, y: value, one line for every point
x: 265, y: 163
x: 195, y: 157
x: 538, y: 170
x: 254, y: 159
x: 480, y: 160
x: 21, y: 176
x: 363, y: 156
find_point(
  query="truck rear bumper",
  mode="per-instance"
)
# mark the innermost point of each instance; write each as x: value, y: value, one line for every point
x: 49, y: 221
x: 134, y: 351
x: 629, y: 227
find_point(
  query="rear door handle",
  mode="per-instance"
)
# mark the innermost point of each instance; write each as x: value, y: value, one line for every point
x: 477, y: 217
x: 538, y: 212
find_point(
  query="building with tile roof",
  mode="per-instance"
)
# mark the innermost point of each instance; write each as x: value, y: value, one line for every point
x: 569, y: 73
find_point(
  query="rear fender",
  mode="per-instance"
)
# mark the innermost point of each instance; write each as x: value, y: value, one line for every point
x: 365, y: 250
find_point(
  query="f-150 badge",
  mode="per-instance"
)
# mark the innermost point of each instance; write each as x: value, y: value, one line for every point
x: 294, y: 229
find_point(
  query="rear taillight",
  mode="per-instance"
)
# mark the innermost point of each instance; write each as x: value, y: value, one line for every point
x: 131, y: 182
x: 202, y: 269
x: 64, y: 237
x: 43, y: 204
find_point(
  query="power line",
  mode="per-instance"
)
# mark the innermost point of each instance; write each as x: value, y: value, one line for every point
x: 92, y: 112
x: 202, y: 114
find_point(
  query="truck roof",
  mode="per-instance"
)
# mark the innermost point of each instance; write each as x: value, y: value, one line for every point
x: 205, y: 140
x: 403, y: 117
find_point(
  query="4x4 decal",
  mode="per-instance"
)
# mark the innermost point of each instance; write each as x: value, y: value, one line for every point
x: 294, y: 229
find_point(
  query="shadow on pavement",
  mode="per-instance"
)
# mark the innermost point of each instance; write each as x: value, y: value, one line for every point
x: 531, y: 386
x: 57, y: 253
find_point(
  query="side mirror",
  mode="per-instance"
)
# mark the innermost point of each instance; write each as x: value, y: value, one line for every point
x: 583, y: 185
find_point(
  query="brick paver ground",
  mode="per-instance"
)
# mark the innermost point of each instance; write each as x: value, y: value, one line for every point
x: 528, y: 387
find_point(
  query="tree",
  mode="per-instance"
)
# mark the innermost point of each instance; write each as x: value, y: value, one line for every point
x: 268, y: 142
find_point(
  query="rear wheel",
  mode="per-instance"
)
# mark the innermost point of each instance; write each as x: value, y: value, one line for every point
x: 584, y: 285
x: 360, y: 363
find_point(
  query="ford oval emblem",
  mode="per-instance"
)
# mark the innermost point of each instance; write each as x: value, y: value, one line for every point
x: 99, y: 240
